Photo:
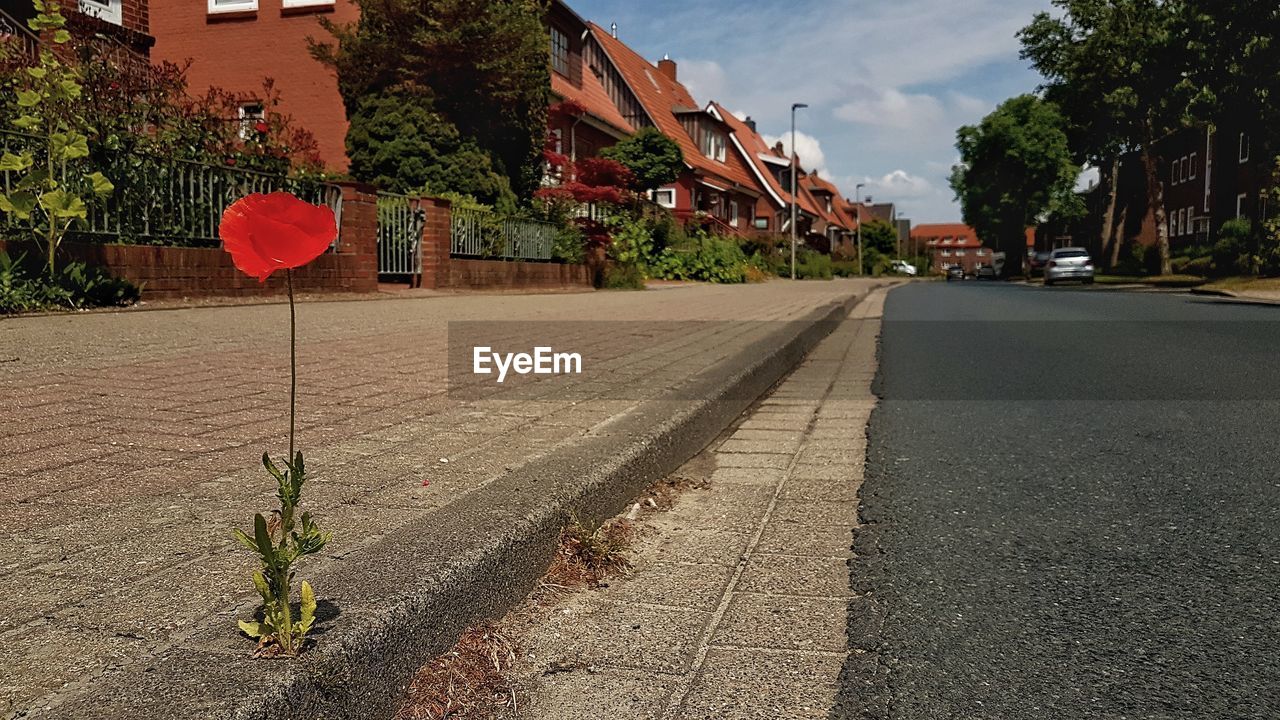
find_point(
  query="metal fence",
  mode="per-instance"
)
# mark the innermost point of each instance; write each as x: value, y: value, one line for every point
x: 159, y: 201
x: 484, y: 234
x: 400, y: 224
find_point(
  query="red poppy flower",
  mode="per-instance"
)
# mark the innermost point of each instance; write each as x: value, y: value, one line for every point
x: 266, y: 233
x: 261, y: 127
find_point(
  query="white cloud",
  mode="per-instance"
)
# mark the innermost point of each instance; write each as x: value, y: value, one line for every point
x: 705, y: 79
x: 899, y: 185
x: 808, y: 148
x: 891, y: 108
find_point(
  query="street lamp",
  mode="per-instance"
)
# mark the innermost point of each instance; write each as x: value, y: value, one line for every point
x: 794, y: 108
x: 857, y: 194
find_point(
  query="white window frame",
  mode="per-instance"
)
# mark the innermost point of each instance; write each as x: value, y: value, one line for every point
x: 217, y: 7
x: 247, y: 119
x: 1173, y: 172
x: 946, y: 253
x: 1244, y: 148
x: 111, y: 11
x: 288, y: 4
x: 1194, y: 158
x: 667, y: 192
x: 1240, y: 201
x: 558, y: 34
x: 714, y: 144
x: 733, y: 213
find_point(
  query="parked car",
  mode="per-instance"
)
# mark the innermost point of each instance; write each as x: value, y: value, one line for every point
x: 985, y: 272
x: 1069, y: 264
x: 902, y: 267
x: 955, y: 272
x: 1036, y: 262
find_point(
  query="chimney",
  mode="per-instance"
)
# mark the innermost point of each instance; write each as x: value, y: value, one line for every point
x: 667, y: 67
x: 750, y: 123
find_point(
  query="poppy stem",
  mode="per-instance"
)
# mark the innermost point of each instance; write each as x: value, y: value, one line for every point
x: 293, y: 361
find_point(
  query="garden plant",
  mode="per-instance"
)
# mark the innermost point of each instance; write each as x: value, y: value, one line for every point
x: 264, y: 234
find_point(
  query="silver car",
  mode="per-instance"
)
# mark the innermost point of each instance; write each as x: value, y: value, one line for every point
x: 1069, y: 264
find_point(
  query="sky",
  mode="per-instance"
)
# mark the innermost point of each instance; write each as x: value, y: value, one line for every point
x: 888, y: 82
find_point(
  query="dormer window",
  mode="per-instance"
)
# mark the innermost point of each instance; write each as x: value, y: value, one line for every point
x: 713, y: 144
x: 559, y: 51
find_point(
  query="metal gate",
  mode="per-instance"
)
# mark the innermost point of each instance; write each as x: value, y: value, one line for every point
x: 401, y: 220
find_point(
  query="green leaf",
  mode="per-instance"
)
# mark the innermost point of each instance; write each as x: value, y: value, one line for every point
x: 70, y: 88
x: 308, y: 609
x: 11, y: 162
x: 263, y: 539
x: 244, y: 539
x: 61, y: 36
x: 26, y: 122
x: 264, y: 589
x: 102, y: 187
x: 38, y: 73
x: 69, y: 145
x: 29, y: 98
x: 271, y: 467
x: 62, y: 204
x: 19, y: 203
x: 252, y: 629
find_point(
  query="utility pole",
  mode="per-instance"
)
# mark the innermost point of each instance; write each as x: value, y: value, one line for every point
x: 857, y: 194
x: 794, y: 108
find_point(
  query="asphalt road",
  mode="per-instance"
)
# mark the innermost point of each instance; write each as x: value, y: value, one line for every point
x: 1076, y: 500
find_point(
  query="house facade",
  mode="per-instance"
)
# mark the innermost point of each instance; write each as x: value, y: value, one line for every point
x: 119, y: 28
x: 950, y: 244
x: 238, y: 44
x: 585, y: 119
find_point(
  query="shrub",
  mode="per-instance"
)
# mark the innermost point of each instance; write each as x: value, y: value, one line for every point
x: 653, y: 158
x: 76, y: 285
x: 623, y: 277
x: 1231, y: 253
x: 844, y: 268
x: 706, y: 258
x: 812, y: 265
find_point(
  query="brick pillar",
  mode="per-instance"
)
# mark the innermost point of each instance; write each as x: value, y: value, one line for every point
x: 437, y: 239
x: 358, y: 235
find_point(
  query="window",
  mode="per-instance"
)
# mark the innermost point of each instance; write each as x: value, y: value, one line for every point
x: 1191, y: 220
x: 762, y: 223
x: 665, y: 197
x: 250, y: 114
x: 1173, y: 224
x: 946, y: 253
x: 108, y: 10
x: 1240, y: 202
x: 1244, y: 148
x: 559, y: 51
x: 1194, y: 157
x: 733, y: 213
x: 558, y: 134
x: 307, y: 3
x: 1186, y: 168
x: 230, y: 6
x: 713, y: 144
x: 1182, y: 222
x: 1173, y: 172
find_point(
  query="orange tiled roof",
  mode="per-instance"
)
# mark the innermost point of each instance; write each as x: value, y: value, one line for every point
x: 961, y: 235
x: 662, y: 98
x: 819, y: 187
x: 591, y: 96
x: 754, y: 146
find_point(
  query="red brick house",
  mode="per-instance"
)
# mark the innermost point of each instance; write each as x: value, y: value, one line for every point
x: 951, y: 244
x: 118, y: 27
x: 236, y: 44
x: 599, y: 123
x: 771, y: 170
x: 716, y: 182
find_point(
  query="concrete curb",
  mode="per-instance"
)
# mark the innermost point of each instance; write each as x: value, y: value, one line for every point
x: 1236, y: 298
x: 404, y: 599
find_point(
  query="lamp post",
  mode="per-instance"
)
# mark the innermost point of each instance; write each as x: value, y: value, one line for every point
x: 794, y: 108
x: 857, y: 194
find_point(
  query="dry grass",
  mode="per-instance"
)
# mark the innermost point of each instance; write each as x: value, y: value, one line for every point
x: 470, y: 682
x: 662, y: 495
x: 587, y: 557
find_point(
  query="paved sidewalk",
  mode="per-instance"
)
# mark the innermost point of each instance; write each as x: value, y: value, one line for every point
x: 129, y: 445
x: 739, y: 603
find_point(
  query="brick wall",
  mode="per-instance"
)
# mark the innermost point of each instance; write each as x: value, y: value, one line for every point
x: 175, y: 272
x: 238, y: 51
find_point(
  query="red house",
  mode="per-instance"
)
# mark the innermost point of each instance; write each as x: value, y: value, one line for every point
x: 237, y: 44
x: 716, y: 183
x: 117, y: 26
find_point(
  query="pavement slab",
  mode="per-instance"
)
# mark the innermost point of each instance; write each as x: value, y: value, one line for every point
x: 129, y: 445
x: 751, y: 565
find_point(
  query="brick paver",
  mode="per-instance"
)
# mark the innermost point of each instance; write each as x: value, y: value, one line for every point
x: 739, y: 603
x: 128, y: 443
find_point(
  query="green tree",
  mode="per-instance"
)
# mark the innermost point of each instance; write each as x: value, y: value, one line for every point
x: 1116, y: 68
x: 652, y: 157
x: 481, y: 63
x: 1015, y: 166
x: 399, y: 143
x: 54, y: 185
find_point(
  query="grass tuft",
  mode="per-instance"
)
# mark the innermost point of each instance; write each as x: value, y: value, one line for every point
x: 470, y: 682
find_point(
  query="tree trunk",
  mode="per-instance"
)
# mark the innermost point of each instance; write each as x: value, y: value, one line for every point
x: 1111, y: 238
x: 1155, y: 200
